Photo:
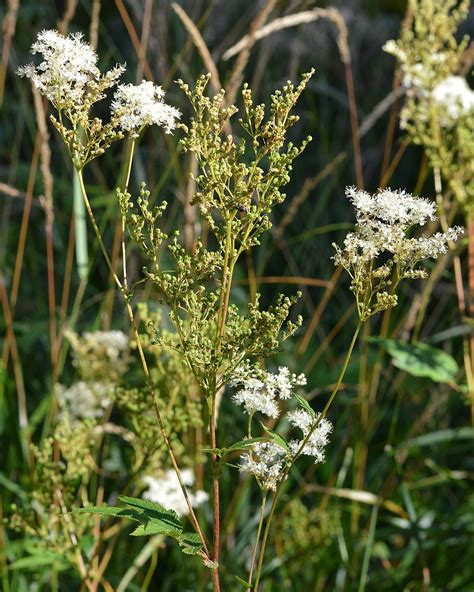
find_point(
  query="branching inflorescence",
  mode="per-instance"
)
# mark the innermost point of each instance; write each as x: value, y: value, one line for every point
x: 381, y: 252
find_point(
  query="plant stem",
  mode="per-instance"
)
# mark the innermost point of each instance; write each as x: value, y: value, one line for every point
x: 125, y: 188
x: 215, y: 498
x: 151, y: 388
x: 305, y: 440
x: 259, y: 531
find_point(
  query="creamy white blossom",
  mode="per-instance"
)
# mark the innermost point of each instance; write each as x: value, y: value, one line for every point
x: 100, y: 358
x: 384, y: 221
x: 167, y: 492
x: 392, y: 206
x: 454, y: 95
x: 68, y: 75
x: 84, y: 399
x: 319, y: 438
x: 136, y: 106
x: 68, y: 65
x: 261, y: 390
x: 266, y: 461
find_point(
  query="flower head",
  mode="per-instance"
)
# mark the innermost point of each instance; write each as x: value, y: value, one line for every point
x: 260, y: 389
x: 383, y: 222
x: 68, y: 65
x: 136, y: 106
x: 454, y: 95
x: 320, y: 429
x: 266, y: 461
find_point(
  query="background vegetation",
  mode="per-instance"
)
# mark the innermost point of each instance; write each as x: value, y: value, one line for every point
x: 393, y: 506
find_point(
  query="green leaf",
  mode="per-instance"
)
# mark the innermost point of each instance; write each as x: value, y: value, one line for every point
x: 243, y: 444
x: 190, y: 543
x: 420, y: 359
x: 154, y: 513
x: 305, y: 405
x: 277, y: 439
x: 109, y: 511
x: 152, y: 528
x: 245, y: 584
x: 40, y: 559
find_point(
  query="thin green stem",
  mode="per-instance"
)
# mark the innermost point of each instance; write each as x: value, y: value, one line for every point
x: 300, y: 450
x: 146, y: 371
x: 259, y: 532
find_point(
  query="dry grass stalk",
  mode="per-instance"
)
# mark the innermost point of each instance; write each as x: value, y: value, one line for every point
x: 94, y: 27
x: 291, y: 20
x: 200, y: 45
x: 243, y: 57
x: 69, y: 11
x: 134, y: 38
x: 45, y: 166
x: 144, y: 37
x: 8, y: 27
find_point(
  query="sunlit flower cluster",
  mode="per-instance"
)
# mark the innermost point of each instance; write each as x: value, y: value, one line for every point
x: 69, y: 77
x: 68, y: 65
x: 260, y: 390
x: 136, y: 106
x: 167, y: 492
x: 320, y: 428
x: 454, y: 96
x: 383, y: 223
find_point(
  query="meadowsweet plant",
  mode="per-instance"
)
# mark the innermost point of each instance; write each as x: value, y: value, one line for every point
x: 194, y: 344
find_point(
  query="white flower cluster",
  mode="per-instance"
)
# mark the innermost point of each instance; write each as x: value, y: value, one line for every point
x: 266, y: 461
x: 68, y: 65
x: 261, y: 390
x: 383, y: 223
x: 137, y: 106
x: 100, y: 358
x: 319, y: 438
x: 383, y: 220
x: 84, y: 399
x: 393, y: 207
x: 68, y: 76
x: 454, y: 95
x: 113, y: 343
x: 167, y: 492
x: 428, y: 81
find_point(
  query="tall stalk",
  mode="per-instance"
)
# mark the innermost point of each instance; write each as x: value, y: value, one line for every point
x: 126, y: 296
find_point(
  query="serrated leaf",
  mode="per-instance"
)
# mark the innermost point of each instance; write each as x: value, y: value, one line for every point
x: 190, y: 543
x: 420, y: 359
x: 154, y: 513
x: 152, y: 528
x: 109, y: 511
x: 306, y: 406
